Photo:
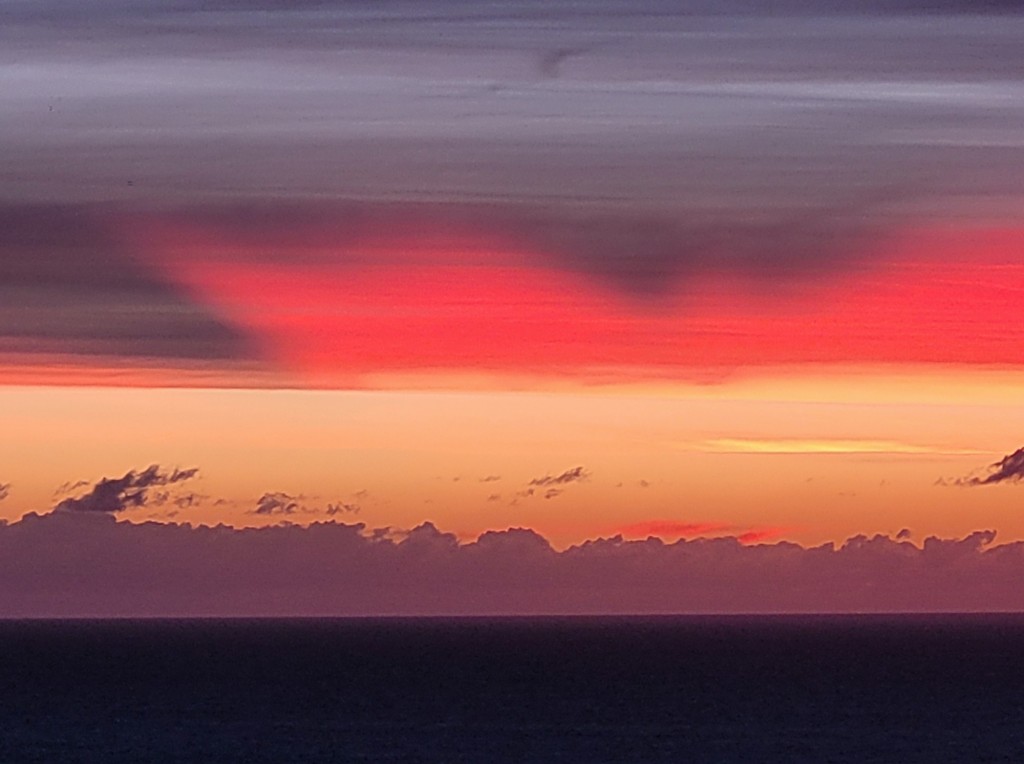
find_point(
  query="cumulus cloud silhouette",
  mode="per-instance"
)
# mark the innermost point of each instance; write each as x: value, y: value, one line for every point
x: 61, y: 564
x: 1009, y: 469
x: 126, y: 492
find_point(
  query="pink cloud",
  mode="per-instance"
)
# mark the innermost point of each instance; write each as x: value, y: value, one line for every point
x: 670, y: 528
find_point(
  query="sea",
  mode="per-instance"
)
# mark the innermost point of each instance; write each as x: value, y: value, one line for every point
x: 935, y: 688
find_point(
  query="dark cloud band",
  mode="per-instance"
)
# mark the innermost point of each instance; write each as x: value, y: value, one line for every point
x: 85, y: 563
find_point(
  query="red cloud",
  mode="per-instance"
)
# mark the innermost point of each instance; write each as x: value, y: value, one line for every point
x: 756, y: 535
x: 670, y: 528
x: 674, y: 529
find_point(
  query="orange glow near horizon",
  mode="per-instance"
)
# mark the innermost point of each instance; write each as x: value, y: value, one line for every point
x: 465, y: 460
x: 400, y: 387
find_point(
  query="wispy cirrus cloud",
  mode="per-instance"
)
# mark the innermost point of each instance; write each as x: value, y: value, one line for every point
x: 817, y: 446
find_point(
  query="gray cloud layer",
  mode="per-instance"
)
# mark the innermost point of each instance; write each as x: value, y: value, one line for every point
x: 67, y: 286
x: 654, y: 104
x: 82, y: 563
x: 637, y: 143
x: 662, y: 106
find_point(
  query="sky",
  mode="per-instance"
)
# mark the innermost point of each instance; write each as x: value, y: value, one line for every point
x: 448, y: 307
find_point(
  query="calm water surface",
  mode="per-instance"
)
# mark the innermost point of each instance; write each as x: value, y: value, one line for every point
x: 750, y: 689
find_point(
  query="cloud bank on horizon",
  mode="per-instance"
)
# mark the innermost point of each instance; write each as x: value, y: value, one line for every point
x: 85, y: 558
x: 87, y: 564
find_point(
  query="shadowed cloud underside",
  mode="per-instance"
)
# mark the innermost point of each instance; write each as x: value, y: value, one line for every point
x: 87, y: 564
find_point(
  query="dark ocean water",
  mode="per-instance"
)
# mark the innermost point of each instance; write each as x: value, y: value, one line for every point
x: 750, y: 689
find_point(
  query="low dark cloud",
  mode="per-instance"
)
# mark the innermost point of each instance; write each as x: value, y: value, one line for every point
x: 1009, y: 469
x: 278, y: 503
x: 281, y: 503
x: 130, y: 491
x: 63, y: 564
x: 574, y: 475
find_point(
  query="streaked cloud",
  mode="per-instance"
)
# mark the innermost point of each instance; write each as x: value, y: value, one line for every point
x: 69, y: 288
x: 817, y: 446
x: 676, y: 529
x: 671, y: 529
x: 637, y: 143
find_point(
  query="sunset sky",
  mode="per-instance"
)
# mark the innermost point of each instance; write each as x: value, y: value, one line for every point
x: 687, y: 270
